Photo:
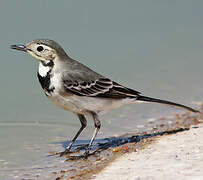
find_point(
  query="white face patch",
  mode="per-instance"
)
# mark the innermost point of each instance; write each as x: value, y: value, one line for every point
x: 43, y: 70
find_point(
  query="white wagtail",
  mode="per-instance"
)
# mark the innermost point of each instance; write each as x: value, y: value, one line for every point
x: 76, y: 88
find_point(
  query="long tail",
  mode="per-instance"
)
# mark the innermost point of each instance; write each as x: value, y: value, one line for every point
x: 149, y: 99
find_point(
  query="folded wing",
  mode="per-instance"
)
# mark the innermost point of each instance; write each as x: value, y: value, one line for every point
x: 101, y: 87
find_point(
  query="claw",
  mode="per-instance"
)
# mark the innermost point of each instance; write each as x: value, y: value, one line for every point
x: 83, y: 156
x: 66, y: 152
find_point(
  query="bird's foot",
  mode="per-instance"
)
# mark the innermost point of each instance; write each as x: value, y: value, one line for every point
x: 83, y: 156
x: 66, y: 152
x: 63, y: 153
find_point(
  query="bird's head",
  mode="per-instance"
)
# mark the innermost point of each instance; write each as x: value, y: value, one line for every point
x: 43, y: 50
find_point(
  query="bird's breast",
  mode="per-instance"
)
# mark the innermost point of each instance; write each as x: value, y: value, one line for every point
x: 45, y: 82
x: 50, y: 81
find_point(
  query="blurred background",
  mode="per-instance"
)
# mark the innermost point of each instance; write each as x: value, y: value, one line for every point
x: 154, y: 47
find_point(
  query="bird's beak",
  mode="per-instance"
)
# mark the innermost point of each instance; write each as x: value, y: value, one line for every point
x: 19, y: 47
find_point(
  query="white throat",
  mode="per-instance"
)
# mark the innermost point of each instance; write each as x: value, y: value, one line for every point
x: 43, y: 70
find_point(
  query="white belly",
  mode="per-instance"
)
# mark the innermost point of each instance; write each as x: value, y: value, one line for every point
x: 83, y: 104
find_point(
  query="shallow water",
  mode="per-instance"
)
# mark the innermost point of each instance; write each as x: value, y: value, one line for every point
x: 155, y: 48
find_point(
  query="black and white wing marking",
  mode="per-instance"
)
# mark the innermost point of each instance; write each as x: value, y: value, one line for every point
x: 101, y: 87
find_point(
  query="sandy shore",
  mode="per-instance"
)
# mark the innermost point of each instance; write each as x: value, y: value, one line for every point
x: 178, y: 156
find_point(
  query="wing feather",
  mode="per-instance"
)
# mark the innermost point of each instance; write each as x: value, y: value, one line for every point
x: 102, y: 87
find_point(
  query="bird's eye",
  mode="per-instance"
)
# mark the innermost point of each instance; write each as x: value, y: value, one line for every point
x: 40, y: 48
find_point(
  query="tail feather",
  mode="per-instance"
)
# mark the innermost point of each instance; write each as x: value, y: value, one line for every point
x: 149, y: 99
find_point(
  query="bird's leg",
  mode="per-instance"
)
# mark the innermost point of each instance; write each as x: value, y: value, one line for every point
x: 97, y: 125
x: 84, y: 124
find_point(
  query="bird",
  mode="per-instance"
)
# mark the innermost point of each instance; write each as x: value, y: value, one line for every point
x: 75, y: 87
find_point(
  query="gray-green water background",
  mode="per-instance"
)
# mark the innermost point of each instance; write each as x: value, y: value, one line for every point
x: 155, y: 47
